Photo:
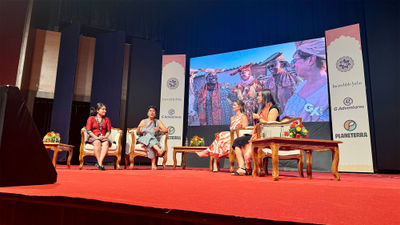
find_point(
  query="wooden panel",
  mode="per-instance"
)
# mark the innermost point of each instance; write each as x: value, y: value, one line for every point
x: 84, y: 69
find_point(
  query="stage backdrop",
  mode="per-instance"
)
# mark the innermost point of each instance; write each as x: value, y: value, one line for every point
x: 172, y: 100
x: 349, y: 109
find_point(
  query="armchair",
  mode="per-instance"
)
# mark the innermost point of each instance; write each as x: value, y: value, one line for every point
x: 114, y: 150
x: 277, y: 129
x: 134, y: 149
x: 234, y: 134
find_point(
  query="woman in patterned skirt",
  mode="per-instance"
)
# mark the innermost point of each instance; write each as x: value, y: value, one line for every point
x: 149, y: 130
x: 222, y: 144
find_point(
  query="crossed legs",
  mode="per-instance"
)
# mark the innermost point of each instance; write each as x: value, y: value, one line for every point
x: 243, y: 156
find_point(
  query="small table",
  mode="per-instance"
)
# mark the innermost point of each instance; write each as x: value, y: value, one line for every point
x: 285, y: 144
x: 58, y: 147
x: 184, y: 150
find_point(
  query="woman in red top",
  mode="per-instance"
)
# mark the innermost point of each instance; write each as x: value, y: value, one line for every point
x: 98, y: 127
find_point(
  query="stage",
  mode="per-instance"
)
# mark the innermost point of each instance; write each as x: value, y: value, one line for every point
x: 197, y: 196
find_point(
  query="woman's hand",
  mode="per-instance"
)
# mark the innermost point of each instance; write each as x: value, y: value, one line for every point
x: 256, y: 116
x: 156, y: 129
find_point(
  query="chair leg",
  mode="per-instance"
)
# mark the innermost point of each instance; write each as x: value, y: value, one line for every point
x: 118, y: 162
x: 132, y: 160
x: 300, y: 164
x: 80, y: 162
x: 211, y: 163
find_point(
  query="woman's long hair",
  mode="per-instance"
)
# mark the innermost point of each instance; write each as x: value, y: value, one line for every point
x: 240, y: 104
x: 93, y: 110
x: 267, y: 97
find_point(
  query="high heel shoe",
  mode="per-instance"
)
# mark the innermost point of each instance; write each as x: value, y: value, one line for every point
x: 236, y: 173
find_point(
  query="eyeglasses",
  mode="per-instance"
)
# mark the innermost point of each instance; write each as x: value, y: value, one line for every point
x: 271, y: 65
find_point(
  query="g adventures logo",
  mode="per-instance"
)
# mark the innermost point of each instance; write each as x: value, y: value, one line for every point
x: 344, y: 64
x: 171, y: 115
x: 350, y: 125
x: 172, y: 83
x: 348, y: 102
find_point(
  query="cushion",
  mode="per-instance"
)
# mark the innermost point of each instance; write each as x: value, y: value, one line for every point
x: 282, y: 153
x: 139, y: 147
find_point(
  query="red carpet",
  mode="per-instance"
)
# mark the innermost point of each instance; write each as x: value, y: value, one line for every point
x: 356, y: 199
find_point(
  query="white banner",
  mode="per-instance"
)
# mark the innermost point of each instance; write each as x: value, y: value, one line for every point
x: 172, y: 101
x: 348, y: 97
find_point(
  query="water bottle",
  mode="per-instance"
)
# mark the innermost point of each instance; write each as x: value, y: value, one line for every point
x: 186, y: 142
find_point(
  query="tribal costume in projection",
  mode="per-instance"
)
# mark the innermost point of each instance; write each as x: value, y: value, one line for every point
x: 222, y: 142
x: 247, y: 92
x: 150, y: 137
x: 246, y: 89
x: 209, y: 104
x: 313, y: 108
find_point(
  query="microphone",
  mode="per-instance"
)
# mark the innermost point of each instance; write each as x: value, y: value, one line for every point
x: 256, y: 110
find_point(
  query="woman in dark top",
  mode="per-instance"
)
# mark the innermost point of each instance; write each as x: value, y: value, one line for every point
x: 98, y: 127
x: 269, y: 112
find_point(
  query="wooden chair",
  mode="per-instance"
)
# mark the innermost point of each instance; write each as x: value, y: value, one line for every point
x: 134, y: 149
x: 114, y: 150
x: 234, y: 134
x: 277, y: 129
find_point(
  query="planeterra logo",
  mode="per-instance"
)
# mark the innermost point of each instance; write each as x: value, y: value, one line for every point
x: 350, y: 125
x: 172, y: 83
x: 171, y: 130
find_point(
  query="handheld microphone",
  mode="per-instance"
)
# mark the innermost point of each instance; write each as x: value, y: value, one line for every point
x: 256, y: 110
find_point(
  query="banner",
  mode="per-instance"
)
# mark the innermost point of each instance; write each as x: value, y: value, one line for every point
x: 172, y: 101
x: 349, y: 109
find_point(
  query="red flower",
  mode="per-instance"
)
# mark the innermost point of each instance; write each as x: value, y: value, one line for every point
x: 295, y: 122
x: 293, y: 125
x: 297, y: 135
x: 48, y: 134
x: 306, y: 136
x: 286, y: 133
x: 301, y: 125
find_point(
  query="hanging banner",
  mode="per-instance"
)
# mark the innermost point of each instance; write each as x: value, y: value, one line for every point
x: 349, y: 109
x: 172, y: 101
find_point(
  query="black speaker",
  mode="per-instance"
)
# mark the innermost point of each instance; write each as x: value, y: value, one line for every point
x: 23, y: 158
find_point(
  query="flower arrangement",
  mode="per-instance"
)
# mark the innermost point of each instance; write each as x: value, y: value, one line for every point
x: 52, y: 137
x: 197, y: 141
x: 297, y: 131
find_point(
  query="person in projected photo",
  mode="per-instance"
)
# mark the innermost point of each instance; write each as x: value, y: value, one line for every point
x: 281, y: 82
x: 269, y: 111
x: 209, y: 101
x: 98, y: 127
x: 246, y: 89
x: 149, y: 130
x: 222, y: 144
x: 310, y: 98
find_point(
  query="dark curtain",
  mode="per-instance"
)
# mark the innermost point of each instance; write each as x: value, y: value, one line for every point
x: 79, y: 116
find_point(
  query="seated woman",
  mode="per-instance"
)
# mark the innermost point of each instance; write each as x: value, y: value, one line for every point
x: 220, y: 147
x: 98, y: 127
x: 149, y: 130
x: 269, y: 112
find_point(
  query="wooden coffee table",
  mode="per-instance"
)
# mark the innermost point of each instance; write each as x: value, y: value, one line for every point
x: 184, y: 150
x: 285, y: 144
x: 58, y: 147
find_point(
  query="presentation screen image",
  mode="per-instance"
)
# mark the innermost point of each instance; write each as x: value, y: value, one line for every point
x: 295, y: 72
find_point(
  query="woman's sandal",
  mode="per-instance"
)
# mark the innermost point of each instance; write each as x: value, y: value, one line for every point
x: 240, y: 174
x: 153, y: 167
x: 249, y: 172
